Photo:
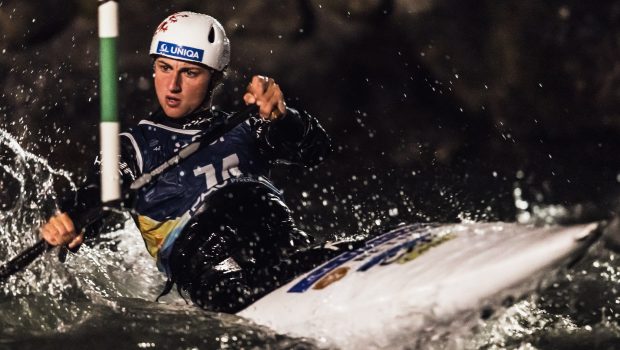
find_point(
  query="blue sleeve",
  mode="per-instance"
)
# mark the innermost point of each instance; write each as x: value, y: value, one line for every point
x: 87, y: 196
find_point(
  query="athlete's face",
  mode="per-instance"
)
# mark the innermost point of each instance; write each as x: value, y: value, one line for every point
x: 181, y: 87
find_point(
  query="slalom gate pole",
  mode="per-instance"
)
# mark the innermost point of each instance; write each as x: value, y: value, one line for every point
x: 110, y: 145
x: 109, y: 126
x: 209, y: 135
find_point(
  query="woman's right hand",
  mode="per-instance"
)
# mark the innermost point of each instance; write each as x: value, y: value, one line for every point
x: 60, y: 230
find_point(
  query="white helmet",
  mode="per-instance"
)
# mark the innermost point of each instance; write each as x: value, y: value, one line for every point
x: 192, y: 37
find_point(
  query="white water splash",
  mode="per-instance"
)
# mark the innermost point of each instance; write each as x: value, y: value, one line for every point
x: 48, y: 295
x: 19, y: 220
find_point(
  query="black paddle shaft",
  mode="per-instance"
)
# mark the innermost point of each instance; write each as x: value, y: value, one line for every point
x: 216, y: 130
x: 29, y: 255
x: 22, y: 260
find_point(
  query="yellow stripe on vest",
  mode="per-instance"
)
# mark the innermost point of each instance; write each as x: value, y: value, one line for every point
x: 155, y: 232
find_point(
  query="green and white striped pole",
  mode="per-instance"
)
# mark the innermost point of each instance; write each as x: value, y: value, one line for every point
x: 109, y: 126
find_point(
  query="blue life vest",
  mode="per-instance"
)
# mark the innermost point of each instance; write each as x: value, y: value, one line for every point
x: 165, y: 206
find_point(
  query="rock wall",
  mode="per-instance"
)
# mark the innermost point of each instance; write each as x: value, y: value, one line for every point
x: 438, y: 108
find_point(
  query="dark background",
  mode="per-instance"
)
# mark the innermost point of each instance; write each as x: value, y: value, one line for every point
x: 438, y: 109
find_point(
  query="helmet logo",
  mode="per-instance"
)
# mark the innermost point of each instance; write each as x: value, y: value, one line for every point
x: 184, y: 52
x: 171, y: 19
x: 191, y: 36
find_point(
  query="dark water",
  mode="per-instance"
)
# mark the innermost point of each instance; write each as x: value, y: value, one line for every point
x: 103, y: 297
x: 128, y: 323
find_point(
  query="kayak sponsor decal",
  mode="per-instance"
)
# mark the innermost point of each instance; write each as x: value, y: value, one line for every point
x: 421, y: 249
x: 184, y: 52
x: 323, y: 270
x: 396, y: 250
x: 332, y: 277
x: 372, y: 247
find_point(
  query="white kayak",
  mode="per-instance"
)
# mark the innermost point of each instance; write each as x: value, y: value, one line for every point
x: 402, y: 279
